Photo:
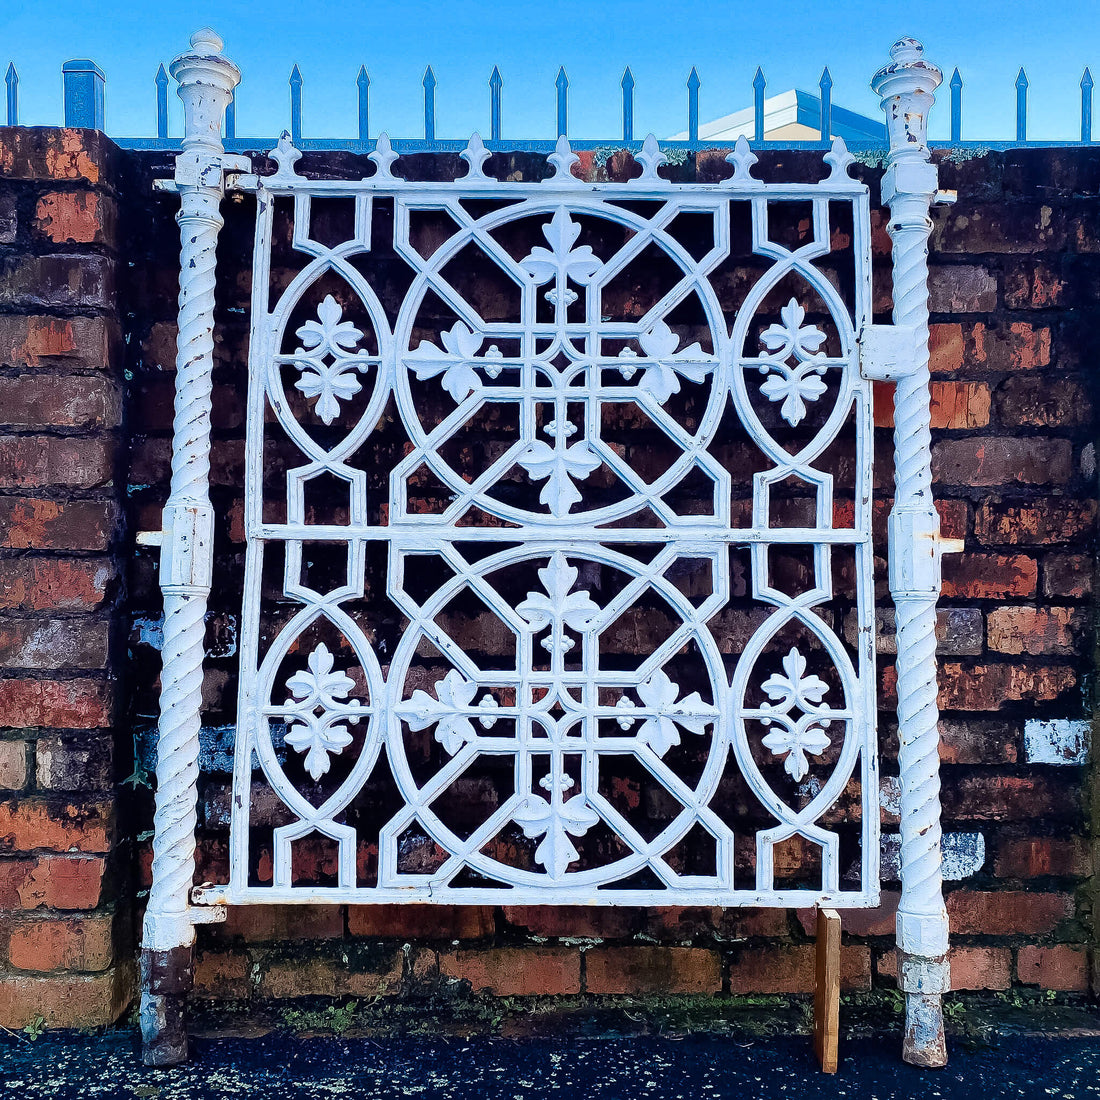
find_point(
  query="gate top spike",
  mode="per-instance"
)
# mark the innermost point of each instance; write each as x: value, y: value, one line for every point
x: 650, y: 158
x: 561, y: 80
x: 563, y: 158
x: 383, y: 156
x: 742, y: 158
x: 839, y: 161
x: 627, y: 81
x: 826, y: 80
x: 429, y: 78
x: 1021, y: 78
x: 363, y: 79
x: 693, y: 80
x: 296, y: 76
x: 495, y: 79
x: 475, y: 155
x: 1086, y: 78
x: 285, y: 156
x: 758, y: 81
x: 161, y: 78
x: 956, y: 79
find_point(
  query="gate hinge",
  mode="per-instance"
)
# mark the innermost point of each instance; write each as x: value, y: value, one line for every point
x: 202, y: 170
x: 888, y: 352
x: 203, y: 908
x: 186, y: 540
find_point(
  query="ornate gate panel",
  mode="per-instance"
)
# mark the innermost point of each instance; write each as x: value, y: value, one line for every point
x: 559, y: 580
x: 523, y: 602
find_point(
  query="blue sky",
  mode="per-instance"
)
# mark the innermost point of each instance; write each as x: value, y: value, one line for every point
x: 593, y: 39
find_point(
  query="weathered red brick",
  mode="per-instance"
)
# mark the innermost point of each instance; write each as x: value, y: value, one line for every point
x: 1002, y: 524
x: 1038, y: 856
x: 53, y: 881
x: 67, y: 762
x: 995, y: 797
x: 66, y: 1000
x: 979, y: 741
x: 993, y: 460
x: 222, y: 975
x: 970, y: 228
x: 789, y: 968
x: 583, y: 921
x: 61, y: 704
x: 639, y: 970
x: 80, y: 217
x: 965, y: 288
x: 860, y: 922
x: 54, y: 154
x: 1006, y: 912
x: 68, y: 944
x: 281, y: 923
x: 60, y: 401
x: 422, y: 922
x: 1034, y: 285
x: 322, y: 976
x: 1060, y: 967
x: 1067, y: 576
x: 54, y: 584
x: 13, y: 765
x: 1037, y: 400
x: 946, y: 348
x: 39, y: 461
x: 45, y: 341
x: 84, y: 281
x: 989, y: 576
x: 1034, y: 630
x: 31, y: 523
x: 989, y: 686
x: 27, y: 824
x: 53, y: 643
x: 516, y: 971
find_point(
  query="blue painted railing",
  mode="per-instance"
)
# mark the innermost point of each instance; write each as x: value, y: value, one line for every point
x: 84, y: 85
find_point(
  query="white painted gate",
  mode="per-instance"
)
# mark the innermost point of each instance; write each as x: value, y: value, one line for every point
x: 560, y: 581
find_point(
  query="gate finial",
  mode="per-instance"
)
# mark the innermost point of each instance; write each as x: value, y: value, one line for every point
x: 906, y: 87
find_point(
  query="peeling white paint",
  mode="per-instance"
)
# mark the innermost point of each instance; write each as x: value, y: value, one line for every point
x: 1058, y: 741
x: 889, y: 794
x: 963, y: 856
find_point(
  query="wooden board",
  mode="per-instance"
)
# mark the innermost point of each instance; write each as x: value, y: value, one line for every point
x: 827, y: 989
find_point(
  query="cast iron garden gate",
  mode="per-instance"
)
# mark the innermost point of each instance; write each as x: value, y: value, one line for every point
x: 558, y: 511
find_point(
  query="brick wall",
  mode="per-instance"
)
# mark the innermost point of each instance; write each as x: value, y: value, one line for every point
x: 1014, y: 282
x: 66, y: 938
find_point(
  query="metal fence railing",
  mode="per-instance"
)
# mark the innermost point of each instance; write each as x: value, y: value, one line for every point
x: 84, y: 84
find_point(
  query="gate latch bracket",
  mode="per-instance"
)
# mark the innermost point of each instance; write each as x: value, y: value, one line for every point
x: 888, y: 352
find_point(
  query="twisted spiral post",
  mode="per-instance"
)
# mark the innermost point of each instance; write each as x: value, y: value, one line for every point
x: 908, y: 187
x: 206, y: 81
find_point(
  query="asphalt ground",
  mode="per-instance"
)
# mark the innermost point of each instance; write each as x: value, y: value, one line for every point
x: 610, y: 1068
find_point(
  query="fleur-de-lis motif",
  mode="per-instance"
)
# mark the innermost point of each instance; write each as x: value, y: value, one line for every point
x: 449, y: 711
x: 559, y: 466
x: 793, y: 385
x: 319, y: 689
x: 456, y: 362
x: 573, y: 817
x: 662, y: 730
x: 795, y: 737
x: 561, y: 258
x: 659, y: 379
x: 328, y: 338
x: 574, y: 610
